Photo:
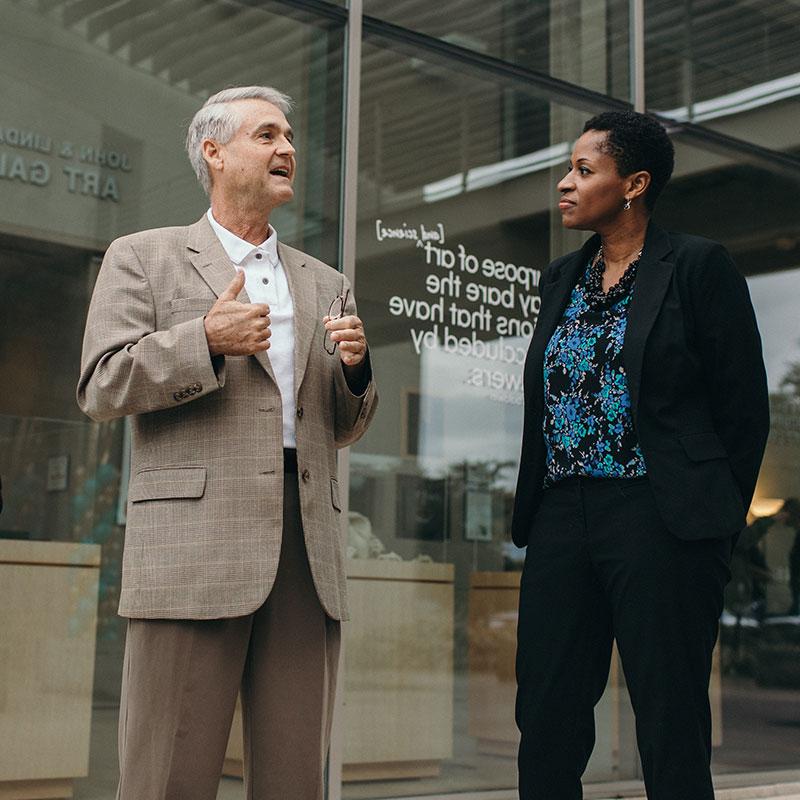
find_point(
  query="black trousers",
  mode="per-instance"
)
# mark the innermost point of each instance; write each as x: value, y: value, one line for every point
x: 600, y: 566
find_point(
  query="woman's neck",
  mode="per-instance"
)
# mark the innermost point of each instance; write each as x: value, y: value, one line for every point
x: 623, y: 243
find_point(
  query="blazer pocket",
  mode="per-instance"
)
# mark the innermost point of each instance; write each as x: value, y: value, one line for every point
x: 703, y: 446
x: 335, y: 502
x: 178, y: 304
x: 166, y: 483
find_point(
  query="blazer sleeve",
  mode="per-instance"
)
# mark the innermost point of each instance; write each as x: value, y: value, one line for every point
x: 127, y: 365
x: 353, y: 412
x: 733, y: 364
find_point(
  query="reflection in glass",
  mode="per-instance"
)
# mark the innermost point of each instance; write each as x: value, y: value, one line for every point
x: 456, y: 183
x: 60, y: 546
x: 760, y: 632
x: 455, y: 190
x: 746, y: 75
x: 585, y: 43
x: 96, y: 98
x: 456, y: 180
x: 759, y: 693
x: 120, y: 85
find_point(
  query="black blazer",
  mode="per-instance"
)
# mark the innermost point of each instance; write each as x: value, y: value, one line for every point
x: 696, y: 379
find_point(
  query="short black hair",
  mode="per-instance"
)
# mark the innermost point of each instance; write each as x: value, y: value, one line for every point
x: 637, y: 142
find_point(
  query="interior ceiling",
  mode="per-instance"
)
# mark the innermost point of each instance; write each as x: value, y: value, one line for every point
x: 422, y: 122
x: 752, y: 41
x: 729, y: 45
x: 196, y: 45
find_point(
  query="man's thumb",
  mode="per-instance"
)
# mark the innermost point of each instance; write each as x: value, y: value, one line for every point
x: 234, y: 287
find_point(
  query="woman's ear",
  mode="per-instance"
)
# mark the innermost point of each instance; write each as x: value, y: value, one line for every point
x: 638, y: 184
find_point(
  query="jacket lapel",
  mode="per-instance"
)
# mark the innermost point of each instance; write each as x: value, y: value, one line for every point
x: 561, y: 289
x: 558, y: 293
x: 209, y: 258
x: 653, y: 277
x: 303, y: 289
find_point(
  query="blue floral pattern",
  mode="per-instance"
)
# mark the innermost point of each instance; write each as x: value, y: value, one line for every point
x: 588, y: 427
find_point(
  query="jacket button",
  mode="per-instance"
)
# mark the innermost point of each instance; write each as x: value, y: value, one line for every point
x: 198, y: 387
x: 300, y: 412
x: 177, y: 396
x: 305, y: 475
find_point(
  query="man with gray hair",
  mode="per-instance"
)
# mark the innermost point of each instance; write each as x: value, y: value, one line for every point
x: 243, y: 365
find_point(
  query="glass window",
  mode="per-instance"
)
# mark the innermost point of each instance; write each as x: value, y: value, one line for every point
x: 96, y: 103
x: 457, y: 181
x: 753, y: 210
x: 584, y: 43
x: 96, y: 98
x: 457, y: 178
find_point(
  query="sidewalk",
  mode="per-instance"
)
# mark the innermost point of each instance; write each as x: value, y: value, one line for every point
x: 785, y: 792
x: 778, y: 791
x: 765, y: 785
x: 765, y: 791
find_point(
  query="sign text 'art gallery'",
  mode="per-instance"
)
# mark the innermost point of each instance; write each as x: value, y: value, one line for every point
x: 28, y: 157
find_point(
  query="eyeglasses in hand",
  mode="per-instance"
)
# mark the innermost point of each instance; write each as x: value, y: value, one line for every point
x: 336, y: 311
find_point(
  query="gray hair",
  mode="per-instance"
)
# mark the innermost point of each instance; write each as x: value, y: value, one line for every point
x: 219, y: 120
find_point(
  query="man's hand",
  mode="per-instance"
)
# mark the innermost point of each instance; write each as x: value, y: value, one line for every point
x: 348, y: 333
x: 234, y: 328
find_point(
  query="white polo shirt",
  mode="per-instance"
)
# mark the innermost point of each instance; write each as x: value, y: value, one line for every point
x: 265, y: 282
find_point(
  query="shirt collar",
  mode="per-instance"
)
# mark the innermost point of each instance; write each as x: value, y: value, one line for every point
x: 238, y: 249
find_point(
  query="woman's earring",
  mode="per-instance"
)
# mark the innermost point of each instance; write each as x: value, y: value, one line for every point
x: 627, y: 205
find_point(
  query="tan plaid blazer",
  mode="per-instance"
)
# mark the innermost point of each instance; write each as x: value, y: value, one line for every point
x: 205, y: 505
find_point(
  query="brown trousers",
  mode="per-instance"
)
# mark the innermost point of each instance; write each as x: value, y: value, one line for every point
x: 181, y: 679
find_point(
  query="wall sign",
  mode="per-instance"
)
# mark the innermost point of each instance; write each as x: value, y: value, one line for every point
x: 38, y: 159
x: 469, y: 304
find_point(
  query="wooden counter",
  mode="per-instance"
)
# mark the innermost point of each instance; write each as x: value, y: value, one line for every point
x: 397, y: 672
x: 47, y: 644
x: 493, y: 602
x: 398, y: 669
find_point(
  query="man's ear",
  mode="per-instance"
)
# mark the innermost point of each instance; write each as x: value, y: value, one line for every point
x: 212, y: 153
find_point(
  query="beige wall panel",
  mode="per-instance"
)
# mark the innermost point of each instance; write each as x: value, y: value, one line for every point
x: 398, y: 672
x: 493, y: 604
x: 398, y: 701
x: 47, y: 643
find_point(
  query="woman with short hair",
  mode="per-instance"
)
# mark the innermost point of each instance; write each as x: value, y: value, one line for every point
x: 646, y: 417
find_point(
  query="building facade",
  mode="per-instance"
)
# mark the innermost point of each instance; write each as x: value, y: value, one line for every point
x: 430, y: 139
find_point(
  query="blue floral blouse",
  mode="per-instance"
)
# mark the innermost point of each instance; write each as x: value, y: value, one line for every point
x: 588, y: 428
